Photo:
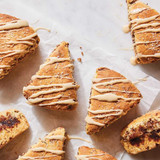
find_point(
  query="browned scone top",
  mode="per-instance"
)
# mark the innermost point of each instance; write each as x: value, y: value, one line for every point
x: 53, y: 87
x: 112, y: 96
x: 51, y: 147
x: 12, y: 123
x: 145, y: 30
x: 92, y: 153
x: 17, y: 40
x: 142, y: 134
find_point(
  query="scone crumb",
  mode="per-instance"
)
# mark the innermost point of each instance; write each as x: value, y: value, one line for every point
x: 79, y: 60
x: 82, y: 53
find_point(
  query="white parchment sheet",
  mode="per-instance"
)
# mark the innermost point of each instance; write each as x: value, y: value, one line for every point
x: 42, y: 121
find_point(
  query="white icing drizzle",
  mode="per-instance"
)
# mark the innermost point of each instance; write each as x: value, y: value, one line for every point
x: 64, y: 87
x: 42, y: 149
x: 146, y: 42
x: 33, y: 158
x: 79, y: 138
x: 42, y: 28
x: 37, y: 100
x: 133, y: 59
x: 4, y: 66
x: 112, y: 82
x: 104, y: 114
x: 88, y: 157
x: 69, y: 65
x: 67, y: 101
x: 150, y: 30
x: 40, y: 77
x: 13, y: 25
x: 14, y: 52
x: 53, y: 60
x: 143, y: 20
x: 90, y: 120
x: 107, y: 78
x: 126, y: 28
x: 145, y: 25
x: 110, y: 90
x: 19, y: 42
x: 55, y: 137
x: 110, y: 97
x: 137, y: 10
x: 105, y: 111
x: 141, y: 80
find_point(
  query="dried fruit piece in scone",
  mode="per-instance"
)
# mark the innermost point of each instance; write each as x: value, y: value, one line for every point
x: 49, y: 148
x: 53, y: 87
x: 145, y: 30
x: 13, y: 123
x: 142, y: 134
x: 17, y: 39
x: 112, y: 96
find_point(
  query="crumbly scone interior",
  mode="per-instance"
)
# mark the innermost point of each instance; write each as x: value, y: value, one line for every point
x: 51, y: 147
x: 12, y: 123
x: 112, y: 96
x: 53, y: 87
x: 92, y: 153
x: 17, y: 40
x: 142, y: 134
x: 145, y: 30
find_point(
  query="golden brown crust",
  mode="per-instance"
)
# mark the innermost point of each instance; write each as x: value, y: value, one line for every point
x: 8, y: 43
x: 119, y: 106
x: 50, y: 144
x: 59, y: 72
x: 83, y: 151
x: 140, y: 34
x: 142, y: 134
x: 12, y: 123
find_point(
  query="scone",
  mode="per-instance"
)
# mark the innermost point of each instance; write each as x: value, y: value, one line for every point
x: 112, y: 96
x: 145, y: 30
x: 13, y: 123
x: 142, y: 134
x: 17, y: 40
x: 53, y: 87
x: 49, y: 148
x: 86, y: 153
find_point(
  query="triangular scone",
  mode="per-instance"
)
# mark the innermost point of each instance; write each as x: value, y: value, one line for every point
x: 49, y: 148
x: 145, y: 30
x: 142, y: 134
x: 112, y: 96
x: 92, y: 153
x: 12, y: 123
x: 17, y: 40
x: 53, y: 87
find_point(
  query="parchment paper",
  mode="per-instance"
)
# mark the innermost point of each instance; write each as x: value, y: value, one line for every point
x: 42, y: 121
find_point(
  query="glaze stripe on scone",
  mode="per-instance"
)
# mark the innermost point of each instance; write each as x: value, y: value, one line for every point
x: 53, y: 87
x: 17, y: 40
x: 12, y: 123
x: 142, y: 134
x: 86, y: 153
x: 112, y: 96
x: 145, y: 30
x: 49, y: 148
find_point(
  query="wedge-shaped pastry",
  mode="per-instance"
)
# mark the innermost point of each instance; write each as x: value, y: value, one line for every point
x: 142, y: 134
x: 112, y: 96
x: 49, y: 148
x: 53, y: 87
x: 17, y: 40
x: 145, y: 30
x: 12, y: 123
x: 86, y: 153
